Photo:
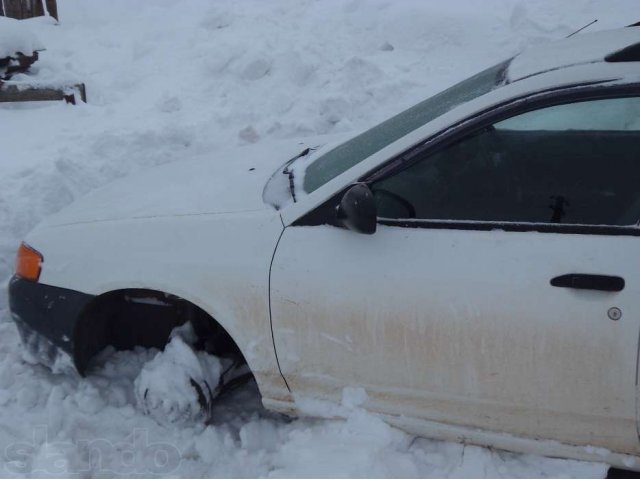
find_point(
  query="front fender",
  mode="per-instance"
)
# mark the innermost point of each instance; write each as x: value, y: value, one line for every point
x: 218, y: 262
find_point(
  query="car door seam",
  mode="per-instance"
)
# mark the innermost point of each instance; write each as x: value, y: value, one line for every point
x: 273, y: 338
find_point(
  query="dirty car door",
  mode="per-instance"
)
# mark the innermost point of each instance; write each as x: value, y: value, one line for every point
x: 509, y: 302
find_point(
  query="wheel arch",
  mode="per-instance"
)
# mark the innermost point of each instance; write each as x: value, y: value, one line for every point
x: 129, y: 317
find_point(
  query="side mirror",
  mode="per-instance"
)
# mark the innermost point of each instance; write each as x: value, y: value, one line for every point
x: 357, y: 209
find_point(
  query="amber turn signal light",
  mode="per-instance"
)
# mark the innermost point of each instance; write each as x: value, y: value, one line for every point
x: 28, y: 263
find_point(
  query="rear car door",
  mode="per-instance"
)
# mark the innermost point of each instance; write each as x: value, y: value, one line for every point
x: 501, y: 290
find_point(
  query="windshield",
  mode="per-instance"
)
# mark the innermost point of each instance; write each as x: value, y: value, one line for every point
x: 350, y: 153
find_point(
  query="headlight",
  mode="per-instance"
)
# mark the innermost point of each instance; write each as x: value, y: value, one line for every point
x: 28, y: 263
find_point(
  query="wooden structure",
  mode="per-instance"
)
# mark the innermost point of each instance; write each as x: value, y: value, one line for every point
x: 19, y: 63
x: 11, y: 93
x: 21, y: 9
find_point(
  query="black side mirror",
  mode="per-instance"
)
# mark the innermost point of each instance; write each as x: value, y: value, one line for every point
x: 357, y: 209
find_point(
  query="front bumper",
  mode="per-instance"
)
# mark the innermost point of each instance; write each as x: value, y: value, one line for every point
x: 46, y: 317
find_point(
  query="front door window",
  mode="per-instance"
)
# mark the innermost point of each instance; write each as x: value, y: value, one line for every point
x: 571, y: 164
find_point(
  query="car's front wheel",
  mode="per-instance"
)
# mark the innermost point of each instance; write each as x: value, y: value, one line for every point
x: 179, y: 385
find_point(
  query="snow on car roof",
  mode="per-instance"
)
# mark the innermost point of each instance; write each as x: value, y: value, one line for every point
x: 579, y: 49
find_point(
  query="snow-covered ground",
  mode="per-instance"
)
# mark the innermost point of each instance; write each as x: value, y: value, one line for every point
x: 168, y: 80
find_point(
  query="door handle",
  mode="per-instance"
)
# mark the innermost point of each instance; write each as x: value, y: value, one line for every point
x: 584, y: 281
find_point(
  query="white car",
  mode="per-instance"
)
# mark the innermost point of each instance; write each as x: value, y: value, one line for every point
x: 473, y: 263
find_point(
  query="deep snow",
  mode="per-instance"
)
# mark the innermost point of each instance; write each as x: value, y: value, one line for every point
x: 170, y: 80
x: 16, y: 36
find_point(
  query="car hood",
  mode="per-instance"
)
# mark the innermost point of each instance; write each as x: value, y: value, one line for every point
x: 225, y: 182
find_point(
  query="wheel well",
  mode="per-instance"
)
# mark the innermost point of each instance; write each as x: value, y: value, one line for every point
x: 139, y: 317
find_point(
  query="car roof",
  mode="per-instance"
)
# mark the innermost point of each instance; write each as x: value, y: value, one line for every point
x: 578, y: 50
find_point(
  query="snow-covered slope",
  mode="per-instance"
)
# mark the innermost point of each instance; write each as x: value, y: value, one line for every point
x: 170, y: 80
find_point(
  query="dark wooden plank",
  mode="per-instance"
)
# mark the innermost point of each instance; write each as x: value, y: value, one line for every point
x: 29, y: 8
x: 11, y: 93
x: 13, y: 9
x: 39, y: 8
x: 52, y: 8
x: 22, y: 9
x: 83, y: 91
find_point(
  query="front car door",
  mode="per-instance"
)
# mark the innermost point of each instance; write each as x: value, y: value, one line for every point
x: 501, y: 289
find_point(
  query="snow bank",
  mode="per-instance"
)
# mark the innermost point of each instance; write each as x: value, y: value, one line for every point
x: 16, y: 36
x: 170, y: 80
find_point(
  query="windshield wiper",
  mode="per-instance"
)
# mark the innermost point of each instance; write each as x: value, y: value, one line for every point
x: 287, y: 171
